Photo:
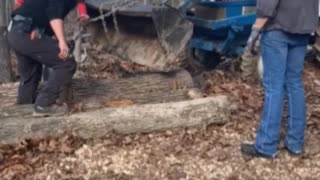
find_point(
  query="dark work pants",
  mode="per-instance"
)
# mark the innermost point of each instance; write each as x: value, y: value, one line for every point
x: 31, y: 56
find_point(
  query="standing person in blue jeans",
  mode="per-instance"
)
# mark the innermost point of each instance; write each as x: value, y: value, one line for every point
x: 285, y: 26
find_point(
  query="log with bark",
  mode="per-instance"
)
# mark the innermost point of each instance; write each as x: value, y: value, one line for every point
x: 124, y: 120
x: 141, y: 103
x: 140, y: 89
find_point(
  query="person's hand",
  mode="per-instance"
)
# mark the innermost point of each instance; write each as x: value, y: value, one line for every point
x: 83, y: 19
x: 252, y: 41
x: 64, y: 50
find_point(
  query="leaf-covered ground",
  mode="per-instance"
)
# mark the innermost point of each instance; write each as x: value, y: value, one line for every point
x: 198, y: 153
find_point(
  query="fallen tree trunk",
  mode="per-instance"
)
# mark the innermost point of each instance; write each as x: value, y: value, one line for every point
x: 97, y: 102
x: 133, y: 119
x: 140, y: 89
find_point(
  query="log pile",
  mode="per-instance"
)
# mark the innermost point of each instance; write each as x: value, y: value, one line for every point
x: 142, y: 103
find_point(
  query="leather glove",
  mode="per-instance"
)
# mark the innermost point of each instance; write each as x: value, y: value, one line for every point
x: 252, y: 41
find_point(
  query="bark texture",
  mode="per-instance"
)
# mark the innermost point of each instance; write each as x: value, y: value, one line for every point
x: 5, y: 65
x: 125, y: 120
x: 139, y: 89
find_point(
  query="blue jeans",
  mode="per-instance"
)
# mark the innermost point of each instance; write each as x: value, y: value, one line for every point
x: 283, y: 60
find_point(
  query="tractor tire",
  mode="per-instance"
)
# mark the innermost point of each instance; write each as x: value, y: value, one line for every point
x: 195, y: 65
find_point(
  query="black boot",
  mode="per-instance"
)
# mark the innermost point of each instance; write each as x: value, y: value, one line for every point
x: 53, y: 110
x: 249, y: 151
x: 291, y: 153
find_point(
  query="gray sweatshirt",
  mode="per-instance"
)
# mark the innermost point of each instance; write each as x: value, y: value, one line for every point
x: 293, y: 16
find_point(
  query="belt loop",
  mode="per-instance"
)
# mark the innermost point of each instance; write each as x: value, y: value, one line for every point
x: 10, y: 26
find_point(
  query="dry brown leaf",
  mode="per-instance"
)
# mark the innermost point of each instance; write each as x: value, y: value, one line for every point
x: 118, y: 103
x: 52, y: 146
x: 64, y: 148
x: 42, y: 147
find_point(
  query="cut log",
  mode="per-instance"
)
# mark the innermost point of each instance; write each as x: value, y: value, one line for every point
x: 96, y: 102
x: 133, y: 119
x: 140, y: 89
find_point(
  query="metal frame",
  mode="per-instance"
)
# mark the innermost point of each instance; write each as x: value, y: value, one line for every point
x: 225, y: 36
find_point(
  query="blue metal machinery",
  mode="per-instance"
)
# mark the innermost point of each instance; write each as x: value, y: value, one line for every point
x: 225, y: 37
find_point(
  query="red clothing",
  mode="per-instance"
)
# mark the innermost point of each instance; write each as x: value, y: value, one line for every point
x: 81, y: 7
x: 18, y: 3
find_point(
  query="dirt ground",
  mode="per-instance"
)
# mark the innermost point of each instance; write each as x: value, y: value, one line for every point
x: 198, y: 153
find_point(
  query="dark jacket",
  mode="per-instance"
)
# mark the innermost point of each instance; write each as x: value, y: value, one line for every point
x: 293, y: 16
x: 42, y: 11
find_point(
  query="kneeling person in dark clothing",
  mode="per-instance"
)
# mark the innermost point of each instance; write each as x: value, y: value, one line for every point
x: 36, y: 34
